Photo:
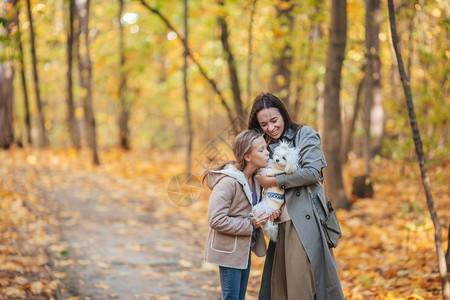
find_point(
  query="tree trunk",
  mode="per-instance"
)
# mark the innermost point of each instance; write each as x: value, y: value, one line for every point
x: 6, y: 103
x: 6, y: 83
x: 71, y: 121
x: 85, y: 69
x: 23, y: 80
x: 368, y: 86
x: 234, y: 80
x: 349, y: 139
x: 373, y: 20
x: 420, y: 156
x: 79, y: 118
x: 282, y: 53
x: 42, y: 140
x: 447, y: 254
x: 332, y: 109
x: 250, y: 54
x: 124, y: 102
x: 318, y: 109
x: 186, y: 94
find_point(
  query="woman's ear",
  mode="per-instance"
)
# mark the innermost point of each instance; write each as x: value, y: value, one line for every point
x: 247, y: 157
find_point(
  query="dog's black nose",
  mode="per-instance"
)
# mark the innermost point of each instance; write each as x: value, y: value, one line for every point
x: 277, y: 160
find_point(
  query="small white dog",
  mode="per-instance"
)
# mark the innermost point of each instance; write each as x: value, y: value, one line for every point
x: 284, y: 160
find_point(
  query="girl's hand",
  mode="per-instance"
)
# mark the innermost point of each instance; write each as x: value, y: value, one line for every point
x: 265, y: 180
x: 260, y: 219
x: 275, y: 215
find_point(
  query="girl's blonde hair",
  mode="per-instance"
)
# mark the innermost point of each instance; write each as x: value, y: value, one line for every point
x: 242, y: 145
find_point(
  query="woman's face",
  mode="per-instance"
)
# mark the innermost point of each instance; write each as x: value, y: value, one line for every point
x: 271, y: 122
x: 259, y: 156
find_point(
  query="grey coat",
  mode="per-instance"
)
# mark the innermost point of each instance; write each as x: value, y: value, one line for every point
x: 304, y: 216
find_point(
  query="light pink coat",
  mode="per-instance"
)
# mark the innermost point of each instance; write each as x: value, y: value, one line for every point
x: 230, y: 203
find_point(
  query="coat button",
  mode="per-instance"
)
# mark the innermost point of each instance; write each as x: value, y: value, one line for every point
x: 298, y: 194
x: 308, y: 217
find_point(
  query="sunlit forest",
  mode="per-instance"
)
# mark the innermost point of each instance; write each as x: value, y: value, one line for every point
x: 111, y: 110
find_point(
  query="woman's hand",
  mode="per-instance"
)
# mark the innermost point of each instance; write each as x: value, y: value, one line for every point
x: 265, y: 181
x: 259, y: 219
x: 274, y: 215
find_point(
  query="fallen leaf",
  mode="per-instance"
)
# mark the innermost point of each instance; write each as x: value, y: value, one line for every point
x: 36, y: 287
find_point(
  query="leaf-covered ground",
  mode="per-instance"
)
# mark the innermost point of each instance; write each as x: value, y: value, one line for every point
x: 68, y: 228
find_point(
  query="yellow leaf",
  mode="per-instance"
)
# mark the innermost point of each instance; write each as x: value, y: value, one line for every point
x: 415, y: 297
x: 185, y: 263
x: 31, y: 159
x: 51, y: 286
x: 79, y: 113
x: 36, y: 287
x: 21, y: 280
x: 284, y: 5
x: 14, y: 292
x: 59, y: 275
x: 102, y: 286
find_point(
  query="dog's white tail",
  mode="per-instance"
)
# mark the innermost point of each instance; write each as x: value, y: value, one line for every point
x: 271, y: 230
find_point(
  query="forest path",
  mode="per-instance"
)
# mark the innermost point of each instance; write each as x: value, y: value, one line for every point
x: 110, y: 232
x: 123, y: 242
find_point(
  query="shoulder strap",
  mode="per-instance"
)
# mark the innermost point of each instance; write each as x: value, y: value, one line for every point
x: 315, y: 204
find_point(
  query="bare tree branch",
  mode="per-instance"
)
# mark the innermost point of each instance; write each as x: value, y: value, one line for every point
x: 420, y: 155
x: 189, y: 53
x: 231, y: 67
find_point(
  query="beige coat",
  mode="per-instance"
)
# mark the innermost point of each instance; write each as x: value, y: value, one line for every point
x: 230, y: 203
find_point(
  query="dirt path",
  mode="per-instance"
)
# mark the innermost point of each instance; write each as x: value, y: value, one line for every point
x: 121, y: 242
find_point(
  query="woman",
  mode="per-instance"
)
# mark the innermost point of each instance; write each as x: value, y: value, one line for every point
x: 233, y: 230
x: 300, y: 265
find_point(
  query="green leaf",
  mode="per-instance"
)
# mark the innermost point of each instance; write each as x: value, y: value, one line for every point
x: 4, y: 22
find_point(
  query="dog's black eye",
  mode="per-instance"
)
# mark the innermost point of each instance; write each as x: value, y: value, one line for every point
x: 284, y: 158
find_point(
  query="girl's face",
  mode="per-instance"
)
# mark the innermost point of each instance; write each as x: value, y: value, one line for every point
x: 259, y: 156
x: 271, y: 122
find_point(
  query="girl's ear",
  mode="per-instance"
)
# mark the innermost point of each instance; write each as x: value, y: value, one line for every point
x: 247, y: 157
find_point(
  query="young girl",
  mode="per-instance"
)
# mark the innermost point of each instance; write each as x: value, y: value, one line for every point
x: 234, y: 231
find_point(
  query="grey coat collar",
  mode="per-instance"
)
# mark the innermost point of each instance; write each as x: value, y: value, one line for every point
x: 290, y: 133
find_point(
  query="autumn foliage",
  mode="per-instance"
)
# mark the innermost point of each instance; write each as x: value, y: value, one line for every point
x: 129, y: 73
x: 387, y: 251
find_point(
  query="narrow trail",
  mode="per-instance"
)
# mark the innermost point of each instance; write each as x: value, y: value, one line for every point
x: 124, y: 243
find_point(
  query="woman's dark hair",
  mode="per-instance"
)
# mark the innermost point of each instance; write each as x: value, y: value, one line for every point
x: 268, y: 100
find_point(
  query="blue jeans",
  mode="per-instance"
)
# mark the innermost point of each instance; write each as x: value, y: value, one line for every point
x: 234, y: 281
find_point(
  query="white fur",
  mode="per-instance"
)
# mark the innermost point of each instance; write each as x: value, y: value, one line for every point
x: 285, y: 160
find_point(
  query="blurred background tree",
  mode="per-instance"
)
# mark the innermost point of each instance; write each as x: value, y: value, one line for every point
x: 137, y: 72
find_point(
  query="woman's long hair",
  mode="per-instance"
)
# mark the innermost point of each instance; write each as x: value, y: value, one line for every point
x: 268, y: 100
x: 242, y: 145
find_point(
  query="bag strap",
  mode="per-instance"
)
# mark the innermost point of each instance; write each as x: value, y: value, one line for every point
x: 329, y: 205
x: 315, y: 204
